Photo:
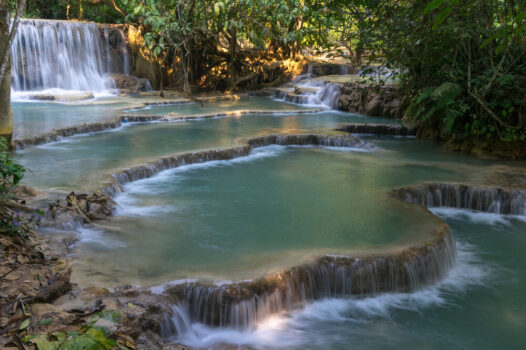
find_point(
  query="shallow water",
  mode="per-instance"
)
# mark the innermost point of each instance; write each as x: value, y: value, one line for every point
x: 253, y: 103
x: 240, y: 219
x: 35, y: 118
x: 81, y: 162
x: 38, y: 117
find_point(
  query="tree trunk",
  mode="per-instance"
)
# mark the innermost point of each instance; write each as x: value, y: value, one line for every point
x: 6, y: 114
x: 81, y: 10
x: 232, y: 71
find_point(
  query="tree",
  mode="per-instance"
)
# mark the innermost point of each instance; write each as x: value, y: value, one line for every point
x: 8, y: 29
x: 459, y: 64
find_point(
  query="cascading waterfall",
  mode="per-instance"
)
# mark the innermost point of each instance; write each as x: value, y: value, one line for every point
x: 244, y: 304
x: 312, y: 92
x: 58, y: 55
x: 329, y: 95
x: 481, y: 198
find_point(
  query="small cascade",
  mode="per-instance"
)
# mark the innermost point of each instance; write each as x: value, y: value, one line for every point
x: 244, y: 304
x: 379, y: 129
x: 309, y: 139
x: 118, y: 179
x: 481, y: 198
x: 311, y: 92
x: 153, y: 168
x: 58, y: 55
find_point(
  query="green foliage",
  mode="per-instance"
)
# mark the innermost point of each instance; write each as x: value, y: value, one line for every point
x: 88, y: 338
x: 11, y: 222
x: 10, y: 172
x: 199, y: 37
x: 110, y: 315
x: 435, y: 103
x: 460, y: 64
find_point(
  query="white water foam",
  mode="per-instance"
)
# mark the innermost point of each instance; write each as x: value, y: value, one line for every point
x: 97, y: 237
x: 301, y: 328
x: 477, y: 217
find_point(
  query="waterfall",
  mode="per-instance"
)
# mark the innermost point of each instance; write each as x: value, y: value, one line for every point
x: 480, y: 198
x: 311, y: 92
x: 58, y: 55
x: 244, y: 304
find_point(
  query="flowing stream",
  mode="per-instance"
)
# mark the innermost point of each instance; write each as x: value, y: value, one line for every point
x: 260, y: 207
x: 280, y: 206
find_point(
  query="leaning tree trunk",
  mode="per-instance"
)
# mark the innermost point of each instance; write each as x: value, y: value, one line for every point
x: 6, y: 114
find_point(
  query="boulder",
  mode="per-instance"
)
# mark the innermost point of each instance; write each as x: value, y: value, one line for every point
x: 383, y: 101
x: 129, y: 83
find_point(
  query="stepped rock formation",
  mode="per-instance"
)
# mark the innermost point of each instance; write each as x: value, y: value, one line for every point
x: 243, y: 304
x: 118, y: 179
x: 378, y: 129
x: 481, y: 198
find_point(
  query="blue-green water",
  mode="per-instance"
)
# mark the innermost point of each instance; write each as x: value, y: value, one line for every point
x: 236, y: 220
x: 252, y: 103
x: 80, y: 162
x: 280, y: 206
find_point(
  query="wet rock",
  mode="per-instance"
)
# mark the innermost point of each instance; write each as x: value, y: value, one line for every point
x: 129, y: 83
x: 383, y: 101
x: 79, y: 208
x: 324, y: 68
x: 378, y: 129
x: 69, y: 97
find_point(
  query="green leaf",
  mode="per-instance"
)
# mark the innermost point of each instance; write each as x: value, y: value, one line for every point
x: 442, y: 16
x: 43, y: 343
x: 433, y: 5
x: 24, y: 324
x: 111, y: 315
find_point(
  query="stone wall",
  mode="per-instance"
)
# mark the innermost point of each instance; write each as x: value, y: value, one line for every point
x: 382, y: 101
x: 128, y: 40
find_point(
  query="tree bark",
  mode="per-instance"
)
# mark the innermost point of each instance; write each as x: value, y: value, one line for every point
x: 6, y: 114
